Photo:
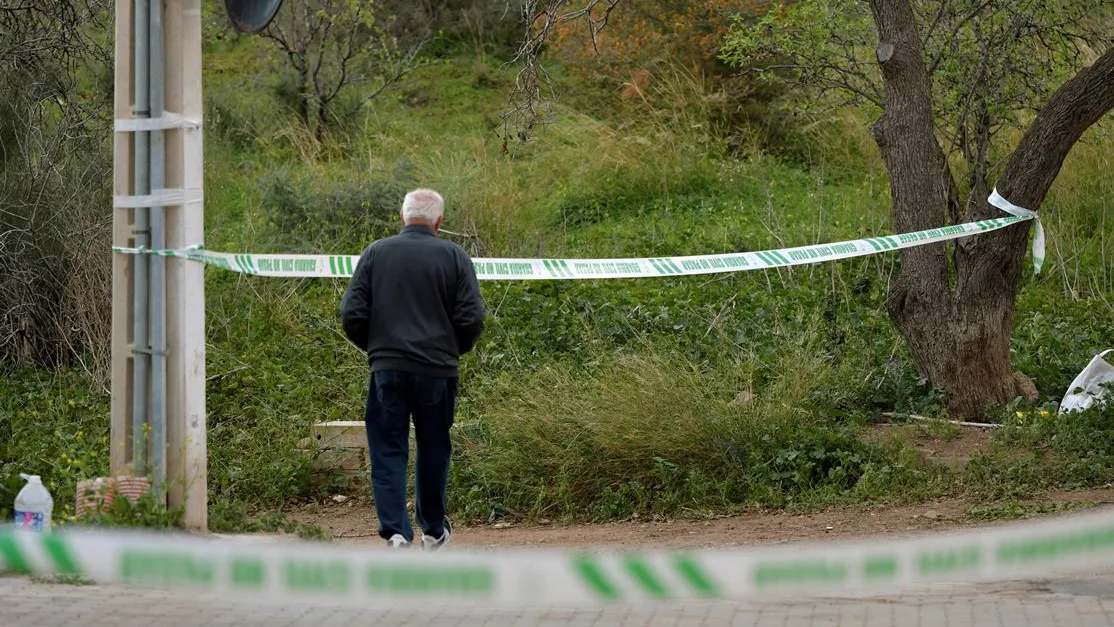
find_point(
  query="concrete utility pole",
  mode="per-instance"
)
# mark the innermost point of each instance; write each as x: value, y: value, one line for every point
x: 158, y: 339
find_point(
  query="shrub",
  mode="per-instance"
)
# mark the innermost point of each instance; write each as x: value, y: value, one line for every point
x: 642, y: 433
x: 342, y: 218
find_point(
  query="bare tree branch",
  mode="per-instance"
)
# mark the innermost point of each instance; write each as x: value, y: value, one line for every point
x: 333, y: 46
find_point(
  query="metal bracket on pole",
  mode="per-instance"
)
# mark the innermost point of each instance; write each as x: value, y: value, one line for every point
x: 164, y: 122
x: 159, y: 198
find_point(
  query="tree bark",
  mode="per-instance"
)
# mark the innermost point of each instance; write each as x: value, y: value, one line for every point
x: 959, y: 337
x: 921, y: 189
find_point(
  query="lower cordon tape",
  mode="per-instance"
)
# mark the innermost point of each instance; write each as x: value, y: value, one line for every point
x: 531, y: 578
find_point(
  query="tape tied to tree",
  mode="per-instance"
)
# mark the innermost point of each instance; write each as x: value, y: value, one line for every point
x: 996, y: 200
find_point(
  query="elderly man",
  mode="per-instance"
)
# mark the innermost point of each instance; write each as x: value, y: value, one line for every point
x: 414, y: 306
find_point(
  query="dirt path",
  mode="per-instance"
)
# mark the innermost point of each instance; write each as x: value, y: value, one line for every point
x: 352, y: 521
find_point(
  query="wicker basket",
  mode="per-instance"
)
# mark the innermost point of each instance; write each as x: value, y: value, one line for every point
x: 98, y: 495
x: 95, y: 495
x: 132, y: 487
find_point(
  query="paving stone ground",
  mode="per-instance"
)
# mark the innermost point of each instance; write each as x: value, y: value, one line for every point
x: 1086, y: 600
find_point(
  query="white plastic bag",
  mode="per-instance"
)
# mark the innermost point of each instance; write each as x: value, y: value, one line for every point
x: 1088, y: 387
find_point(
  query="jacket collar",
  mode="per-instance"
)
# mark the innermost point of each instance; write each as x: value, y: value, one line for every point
x: 418, y: 228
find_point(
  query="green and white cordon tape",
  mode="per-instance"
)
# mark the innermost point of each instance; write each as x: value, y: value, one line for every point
x: 341, y: 266
x: 546, y: 578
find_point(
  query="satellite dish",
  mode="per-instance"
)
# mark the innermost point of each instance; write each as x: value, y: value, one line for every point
x: 251, y: 16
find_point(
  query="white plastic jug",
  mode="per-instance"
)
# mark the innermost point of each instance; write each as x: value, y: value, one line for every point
x: 33, y: 506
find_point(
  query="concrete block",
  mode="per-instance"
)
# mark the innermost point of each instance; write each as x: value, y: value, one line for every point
x: 349, y: 434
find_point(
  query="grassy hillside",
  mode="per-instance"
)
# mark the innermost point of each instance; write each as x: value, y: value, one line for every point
x: 595, y: 399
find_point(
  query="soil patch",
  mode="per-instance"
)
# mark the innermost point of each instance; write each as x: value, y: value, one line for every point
x: 353, y: 521
x: 948, y: 444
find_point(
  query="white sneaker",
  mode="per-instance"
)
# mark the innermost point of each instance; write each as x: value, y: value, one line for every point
x: 430, y: 544
x: 399, y: 542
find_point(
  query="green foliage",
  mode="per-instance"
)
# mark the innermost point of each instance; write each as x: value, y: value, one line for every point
x: 63, y: 580
x: 1038, y: 449
x: 342, y: 219
x: 1056, y: 337
x: 233, y: 517
x: 586, y: 399
x: 144, y: 512
x: 1024, y: 49
x: 593, y: 399
x: 990, y: 65
x: 821, y: 43
x: 54, y: 425
x: 1009, y: 510
x: 642, y: 434
x: 329, y: 47
x: 623, y: 194
x: 10, y: 486
x: 277, y: 366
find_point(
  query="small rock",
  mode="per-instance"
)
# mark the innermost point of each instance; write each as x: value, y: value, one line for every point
x: 501, y: 525
x: 746, y: 397
x: 339, y: 498
x: 932, y: 514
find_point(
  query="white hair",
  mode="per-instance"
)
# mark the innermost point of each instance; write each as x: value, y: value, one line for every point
x: 423, y: 204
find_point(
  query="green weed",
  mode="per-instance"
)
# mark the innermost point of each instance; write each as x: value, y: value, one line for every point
x: 1010, y: 510
x: 642, y: 433
x: 63, y: 580
x: 54, y: 425
x: 144, y: 512
x: 1038, y: 450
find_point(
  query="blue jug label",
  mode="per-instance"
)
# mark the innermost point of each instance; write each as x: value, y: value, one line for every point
x: 28, y: 521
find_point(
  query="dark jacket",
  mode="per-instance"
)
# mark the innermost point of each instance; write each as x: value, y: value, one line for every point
x: 414, y: 304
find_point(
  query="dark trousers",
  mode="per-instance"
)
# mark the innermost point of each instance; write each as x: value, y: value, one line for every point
x: 393, y: 398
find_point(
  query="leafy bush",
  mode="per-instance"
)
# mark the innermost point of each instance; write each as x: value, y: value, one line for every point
x: 342, y: 218
x: 1038, y: 449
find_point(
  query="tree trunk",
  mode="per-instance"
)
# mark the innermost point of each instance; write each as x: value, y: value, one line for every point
x: 959, y: 337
